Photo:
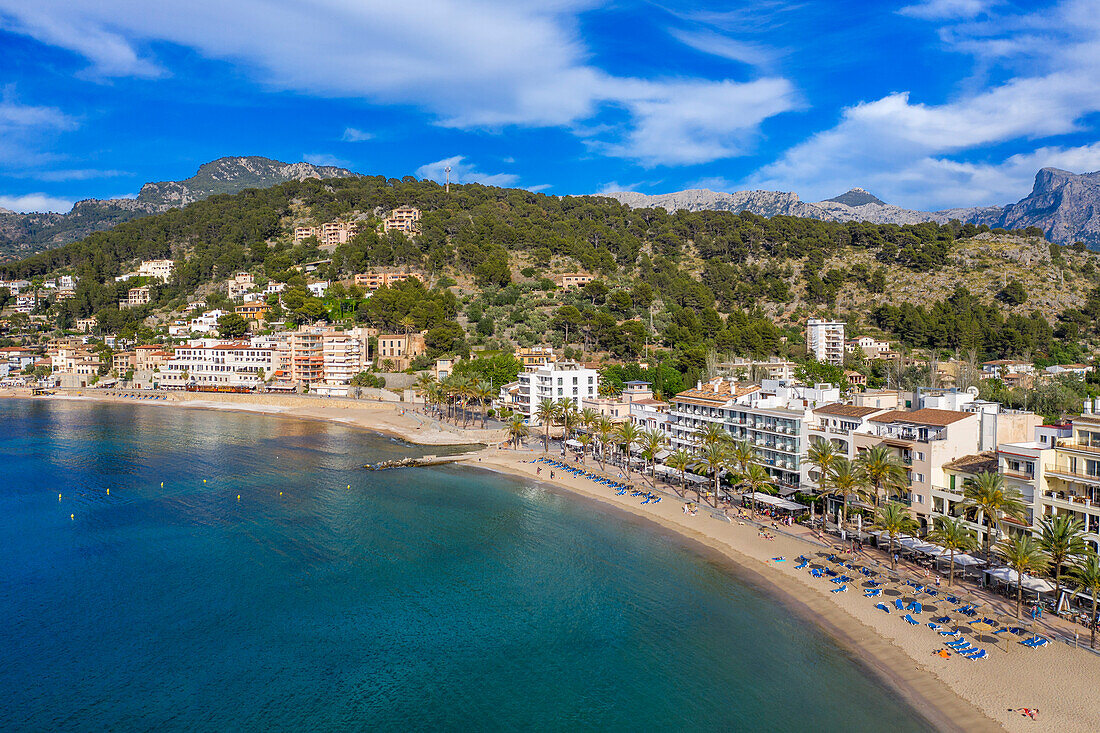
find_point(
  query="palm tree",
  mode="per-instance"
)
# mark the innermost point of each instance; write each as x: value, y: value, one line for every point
x: 883, y: 470
x: 584, y: 439
x: 568, y: 417
x: 822, y: 455
x: 1086, y: 572
x: 1022, y: 553
x: 712, y: 459
x: 589, y: 418
x: 846, y: 480
x: 987, y: 494
x: 680, y: 460
x: 627, y: 435
x: 953, y: 534
x: 546, y: 412
x: 755, y: 480
x: 894, y: 519
x: 517, y: 429
x: 484, y: 392
x: 423, y: 386
x: 652, y: 441
x: 742, y: 455
x: 1062, y: 539
x: 711, y: 434
x: 604, y: 430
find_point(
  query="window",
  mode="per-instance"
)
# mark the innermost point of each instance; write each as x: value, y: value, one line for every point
x: 920, y: 456
x: 918, y: 499
x: 952, y: 482
x: 918, y: 477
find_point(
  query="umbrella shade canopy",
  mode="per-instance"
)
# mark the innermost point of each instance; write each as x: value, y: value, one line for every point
x: 982, y: 627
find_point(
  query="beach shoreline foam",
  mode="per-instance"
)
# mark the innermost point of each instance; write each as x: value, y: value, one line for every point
x: 951, y: 694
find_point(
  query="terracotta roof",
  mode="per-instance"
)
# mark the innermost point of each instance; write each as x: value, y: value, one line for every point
x: 926, y: 416
x: 985, y: 462
x: 841, y: 409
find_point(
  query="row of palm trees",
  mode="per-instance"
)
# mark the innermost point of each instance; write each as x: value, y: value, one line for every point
x: 449, y: 398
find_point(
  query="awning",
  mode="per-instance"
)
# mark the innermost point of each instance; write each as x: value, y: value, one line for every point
x: 777, y: 502
x: 1007, y: 575
x: 663, y: 455
x: 574, y: 443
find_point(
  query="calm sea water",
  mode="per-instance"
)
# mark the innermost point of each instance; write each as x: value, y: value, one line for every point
x: 417, y: 599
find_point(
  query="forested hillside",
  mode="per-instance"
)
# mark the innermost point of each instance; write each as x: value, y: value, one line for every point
x: 693, y: 282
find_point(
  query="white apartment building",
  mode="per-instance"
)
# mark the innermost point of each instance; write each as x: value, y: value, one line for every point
x: 207, y: 322
x: 344, y: 354
x: 825, y: 340
x: 837, y: 423
x: 774, y: 416
x: 159, y: 269
x: 216, y: 363
x: 555, y: 381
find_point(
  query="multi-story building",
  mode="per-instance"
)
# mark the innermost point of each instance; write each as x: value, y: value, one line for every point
x: 26, y: 302
x: 774, y: 416
x: 1075, y: 370
x: 344, y: 354
x: 923, y: 440
x: 15, y: 287
x: 825, y: 340
x: 151, y: 357
x: 329, y: 234
x: 618, y: 408
x: 868, y: 346
x: 651, y: 414
x: 1001, y: 368
x: 555, y: 381
x: 535, y: 355
x: 402, y: 219
x: 135, y: 297
x: 255, y: 312
x: 1073, y: 475
x: 123, y: 361
x: 158, y: 269
x: 753, y: 370
x: 216, y: 363
x: 400, y: 349
x: 375, y: 280
x: 837, y: 423
x: 570, y: 280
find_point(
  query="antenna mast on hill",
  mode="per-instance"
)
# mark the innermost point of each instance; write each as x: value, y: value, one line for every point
x: 447, y: 188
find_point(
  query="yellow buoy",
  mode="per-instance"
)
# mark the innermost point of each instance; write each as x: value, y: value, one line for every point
x: 349, y: 486
x: 280, y: 493
x: 204, y: 481
x: 59, y: 497
x: 162, y: 484
x: 238, y: 497
x: 72, y: 516
x: 108, y: 492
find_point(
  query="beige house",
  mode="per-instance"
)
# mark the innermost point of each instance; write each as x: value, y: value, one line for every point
x: 135, y: 297
x: 618, y: 408
x: 375, y: 280
x: 924, y: 440
x: 400, y: 349
x: 570, y: 280
x: 402, y: 219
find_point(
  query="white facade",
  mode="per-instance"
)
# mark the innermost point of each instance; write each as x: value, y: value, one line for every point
x: 556, y: 381
x: 212, y: 362
x: 825, y: 340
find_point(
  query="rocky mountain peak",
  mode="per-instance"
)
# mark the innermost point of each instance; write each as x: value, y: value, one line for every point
x: 857, y: 197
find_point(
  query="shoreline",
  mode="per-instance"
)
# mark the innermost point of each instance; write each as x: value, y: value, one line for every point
x: 927, y: 696
x: 951, y: 694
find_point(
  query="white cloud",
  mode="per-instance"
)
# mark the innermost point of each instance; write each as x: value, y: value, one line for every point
x: 31, y: 202
x: 480, y: 64
x: 725, y: 47
x: 943, y: 9
x: 539, y: 187
x: 463, y: 172
x: 352, y: 135
x: 70, y: 174
x: 325, y: 159
x: 616, y: 187
x: 932, y: 155
x: 23, y: 127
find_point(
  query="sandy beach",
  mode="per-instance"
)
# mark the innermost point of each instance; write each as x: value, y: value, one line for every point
x: 953, y: 693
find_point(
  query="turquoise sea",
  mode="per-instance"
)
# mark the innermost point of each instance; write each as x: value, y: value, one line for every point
x: 420, y: 599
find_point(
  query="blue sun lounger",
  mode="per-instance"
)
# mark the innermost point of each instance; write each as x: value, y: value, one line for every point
x: 915, y: 607
x: 882, y: 607
x: 841, y: 589
x: 956, y: 634
x: 817, y: 573
x: 980, y: 654
x: 910, y: 620
x: 898, y: 604
x: 1035, y: 642
x: 872, y: 593
x: 802, y: 564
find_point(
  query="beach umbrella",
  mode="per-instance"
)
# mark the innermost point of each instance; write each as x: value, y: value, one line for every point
x: 981, y: 628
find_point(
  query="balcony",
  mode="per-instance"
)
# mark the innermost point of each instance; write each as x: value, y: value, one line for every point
x: 1074, y: 445
x: 1018, y: 475
x: 1071, y: 502
x: 1065, y: 472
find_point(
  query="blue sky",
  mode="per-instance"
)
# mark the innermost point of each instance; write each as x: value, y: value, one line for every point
x: 929, y: 104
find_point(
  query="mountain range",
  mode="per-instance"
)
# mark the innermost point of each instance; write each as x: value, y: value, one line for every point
x: 1066, y: 206
x: 25, y: 234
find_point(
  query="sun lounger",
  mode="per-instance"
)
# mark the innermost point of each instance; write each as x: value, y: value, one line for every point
x: 958, y: 643
x: 1035, y: 642
x: 817, y: 573
x: 951, y: 633
x: 951, y: 599
x: 980, y: 654
x: 915, y: 607
x: 934, y: 627
x: 898, y: 604
x: 872, y: 593
x: 910, y: 620
x: 942, y: 620
x: 841, y: 589
x: 801, y: 565
x: 882, y: 607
